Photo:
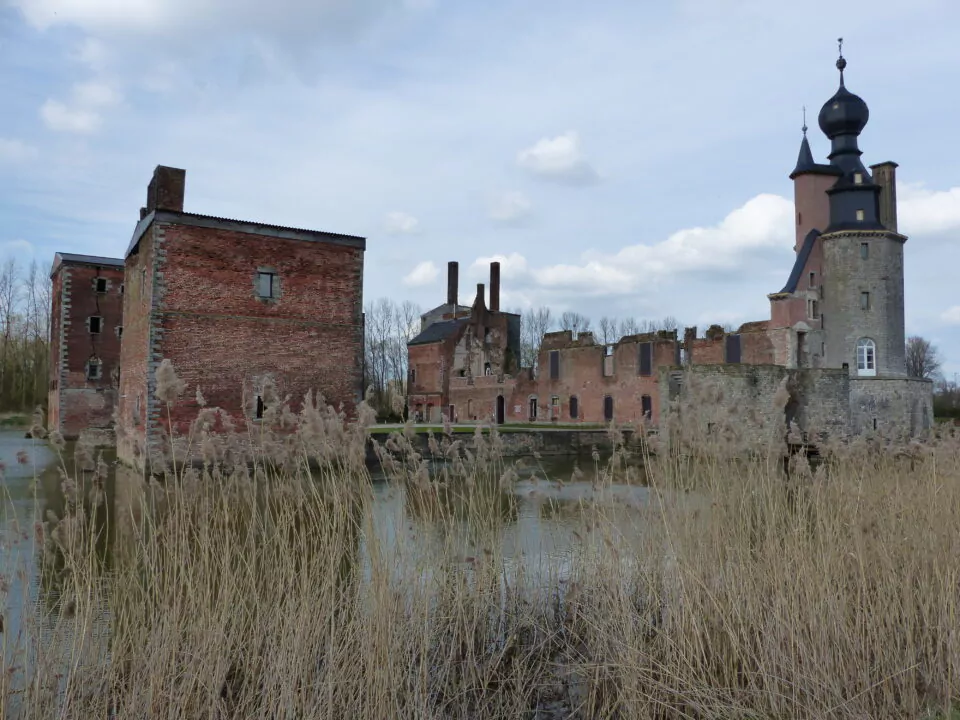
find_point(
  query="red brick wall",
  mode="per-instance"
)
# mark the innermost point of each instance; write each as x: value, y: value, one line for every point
x: 78, y: 403
x: 220, y: 335
x: 811, y: 204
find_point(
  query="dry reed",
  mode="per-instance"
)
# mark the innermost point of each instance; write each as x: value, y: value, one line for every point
x: 284, y: 589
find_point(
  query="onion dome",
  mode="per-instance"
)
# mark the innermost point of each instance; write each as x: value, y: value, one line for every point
x: 844, y: 113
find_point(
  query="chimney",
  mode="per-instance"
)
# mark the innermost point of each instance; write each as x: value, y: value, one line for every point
x: 885, y: 175
x: 165, y: 191
x: 479, y: 301
x: 495, y: 287
x: 689, y: 338
x: 453, y: 274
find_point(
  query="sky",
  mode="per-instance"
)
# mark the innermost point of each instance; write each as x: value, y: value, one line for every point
x: 619, y: 158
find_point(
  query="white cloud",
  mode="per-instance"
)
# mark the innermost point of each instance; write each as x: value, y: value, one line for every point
x: 559, y: 159
x: 93, y: 53
x: 513, y: 265
x: 14, y: 151
x: 762, y: 223
x: 951, y: 316
x: 423, y: 274
x: 510, y: 208
x: 920, y: 210
x: 400, y: 223
x: 16, y: 248
x: 83, y: 114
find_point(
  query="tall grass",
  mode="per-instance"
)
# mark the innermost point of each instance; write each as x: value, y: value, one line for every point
x: 283, y: 589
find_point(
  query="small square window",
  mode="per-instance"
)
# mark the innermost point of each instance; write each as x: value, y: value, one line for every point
x: 93, y: 370
x: 864, y: 251
x: 266, y: 284
x: 101, y: 285
x: 95, y: 323
x: 864, y: 301
x: 858, y: 178
x: 859, y: 215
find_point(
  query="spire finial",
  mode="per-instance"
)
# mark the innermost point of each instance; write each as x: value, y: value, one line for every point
x: 804, y: 121
x: 841, y: 62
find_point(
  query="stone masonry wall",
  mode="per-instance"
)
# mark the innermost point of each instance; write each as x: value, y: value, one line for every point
x: 894, y: 407
x: 78, y: 402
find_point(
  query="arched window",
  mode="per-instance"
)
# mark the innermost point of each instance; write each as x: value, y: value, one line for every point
x: 866, y: 357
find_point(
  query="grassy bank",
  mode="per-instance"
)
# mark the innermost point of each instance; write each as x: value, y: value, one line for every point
x: 747, y: 592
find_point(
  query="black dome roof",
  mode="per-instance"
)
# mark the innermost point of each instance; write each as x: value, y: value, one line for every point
x: 843, y: 114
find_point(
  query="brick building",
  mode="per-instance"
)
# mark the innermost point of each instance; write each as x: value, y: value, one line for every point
x: 237, y: 307
x: 86, y: 322
x: 835, y: 333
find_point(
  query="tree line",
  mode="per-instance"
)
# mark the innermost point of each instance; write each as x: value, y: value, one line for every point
x: 25, y: 294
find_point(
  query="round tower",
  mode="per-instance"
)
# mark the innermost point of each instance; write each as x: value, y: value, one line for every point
x: 862, y: 276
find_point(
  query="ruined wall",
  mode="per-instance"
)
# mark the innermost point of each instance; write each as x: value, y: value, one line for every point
x: 79, y: 401
x: 894, y: 407
x: 428, y: 387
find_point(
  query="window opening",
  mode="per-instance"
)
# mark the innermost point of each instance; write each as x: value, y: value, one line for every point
x: 266, y: 284
x: 864, y: 301
x: 101, y: 285
x: 813, y: 280
x: 533, y: 408
x: 646, y: 406
x: 646, y: 358
x: 866, y: 357
x: 555, y: 407
x: 864, y: 251
x: 574, y: 407
x: 95, y: 323
x: 93, y: 369
x: 260, y: 407
x: 554, y: 364
x: 860, y: 215
x: 608, y: 408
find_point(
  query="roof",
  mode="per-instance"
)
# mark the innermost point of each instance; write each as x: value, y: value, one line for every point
x: 91, y: 259
x: 801, y: 261
x: 439, y: 331
x: 806, y: 164
x: 248, y: 226
x: 62, y: 257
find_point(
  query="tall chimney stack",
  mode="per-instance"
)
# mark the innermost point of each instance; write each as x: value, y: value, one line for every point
x: 453, y: 274
x: 885, y: 175
x: 479, y: 300
x: 495, y: 287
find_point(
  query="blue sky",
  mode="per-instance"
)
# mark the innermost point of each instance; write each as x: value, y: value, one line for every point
x: 621, y: 158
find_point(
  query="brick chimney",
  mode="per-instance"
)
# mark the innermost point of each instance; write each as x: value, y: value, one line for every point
x: 453, y: 274
x: 165, y: 191
x: 885, y: 175
x: 479, y: 301
x: 495, y: 287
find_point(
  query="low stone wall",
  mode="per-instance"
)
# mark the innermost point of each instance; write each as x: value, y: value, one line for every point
x: 895, y: 407
x: 526, y: 442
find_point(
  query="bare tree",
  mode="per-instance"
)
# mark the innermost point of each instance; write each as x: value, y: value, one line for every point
x: 574, y: 322
x: 923, y: 358
x: 629, y: 326
x: 534, y: 323
x: 609, y: 330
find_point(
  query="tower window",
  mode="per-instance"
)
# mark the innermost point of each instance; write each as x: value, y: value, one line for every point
x: 859, y: 215
x: 101, y: 285
x: 799, y: 218
x: 866, y: 357
x: 95, y: 323
x: 864, y: 301
x: 858, y: 178
x: 260, y: 407
x: 813, y: 280
x: 864, y: 251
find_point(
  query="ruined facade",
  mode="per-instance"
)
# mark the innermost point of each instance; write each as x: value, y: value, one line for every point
x: 832, y: 349
x: 248, y: 313
x: 86, y: 323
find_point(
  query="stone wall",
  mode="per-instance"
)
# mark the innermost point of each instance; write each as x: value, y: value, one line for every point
x: 894, y: 407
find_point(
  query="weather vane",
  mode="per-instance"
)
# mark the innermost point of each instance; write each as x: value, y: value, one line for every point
x: 841, y: 62
x: 804, y: 128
